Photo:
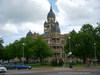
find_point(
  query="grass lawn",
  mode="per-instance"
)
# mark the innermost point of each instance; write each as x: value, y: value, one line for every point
x: 45, y: 65
x: 48, y: 65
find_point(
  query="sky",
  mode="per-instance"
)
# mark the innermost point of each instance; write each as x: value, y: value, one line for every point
x: 17, y: 17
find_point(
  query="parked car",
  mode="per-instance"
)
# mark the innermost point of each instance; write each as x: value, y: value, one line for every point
x: 2, y: 69
x: 22, y: 66
x: 9, y: 65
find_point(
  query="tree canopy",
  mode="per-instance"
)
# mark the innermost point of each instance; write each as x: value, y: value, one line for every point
x: 82, y: 43
x: 1, y: 48
x: 41, y: 49
x: 32, y: 48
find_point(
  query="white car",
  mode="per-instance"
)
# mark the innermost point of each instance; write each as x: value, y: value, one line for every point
x: 2, y: 69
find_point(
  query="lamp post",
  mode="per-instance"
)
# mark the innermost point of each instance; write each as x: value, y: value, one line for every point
x: 69, y: 44
x: 23, y: 53
x: 95, y: 52
x: 70, y: 54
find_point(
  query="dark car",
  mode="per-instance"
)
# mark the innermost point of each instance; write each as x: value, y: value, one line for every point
x: 9, y: 65
x: 22, y: 66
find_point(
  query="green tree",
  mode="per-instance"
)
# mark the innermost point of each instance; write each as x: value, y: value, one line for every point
x: 1, y: 49
x: 41, y: 49
x: 82, y: 43
x: 86, y: 42
x: 16, y: 49
x: 32, y: 48
x: 85, y: 45
x: 70, y: 42
x: 87, y: 29
x: 13, y: 50
x: 28, y: 47
x: 97, y: 40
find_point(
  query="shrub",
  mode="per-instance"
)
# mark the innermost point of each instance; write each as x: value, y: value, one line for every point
x: 61, y: 62
x: 57, y: 62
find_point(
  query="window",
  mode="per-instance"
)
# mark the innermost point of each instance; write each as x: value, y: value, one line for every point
x: 63, y: 55
x: 45, y: 28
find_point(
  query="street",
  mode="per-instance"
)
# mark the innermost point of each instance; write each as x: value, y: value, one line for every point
x: 26, y: 72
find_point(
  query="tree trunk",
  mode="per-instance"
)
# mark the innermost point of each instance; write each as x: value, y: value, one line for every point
x: 27, y: 60
x: 41, y: 59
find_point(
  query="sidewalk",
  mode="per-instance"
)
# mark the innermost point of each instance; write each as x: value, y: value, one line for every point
x: 67, y: 69
x: 64, y: 69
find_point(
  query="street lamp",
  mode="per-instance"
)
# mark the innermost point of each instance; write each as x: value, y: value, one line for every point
x: 23, y: 53
x: 69, y: 44
x: 70, y: 54
x: 95, y: 52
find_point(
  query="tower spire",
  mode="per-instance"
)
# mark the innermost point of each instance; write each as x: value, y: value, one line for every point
x: 51, y: 9
x: 51, y: 15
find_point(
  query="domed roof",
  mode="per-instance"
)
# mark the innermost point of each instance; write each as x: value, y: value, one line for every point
x: 73, y: 31
x: 45, y: 22
x: 51, y: 13
x: 29, y: 33
x: 46, y: 33
x: 55, y: 28
x: 57, y: 23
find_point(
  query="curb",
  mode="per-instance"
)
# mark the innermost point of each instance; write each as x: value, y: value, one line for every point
x: 63, y: 69
x: 77, y: 69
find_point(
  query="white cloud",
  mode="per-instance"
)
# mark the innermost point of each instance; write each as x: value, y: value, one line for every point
x: 8, y: 29
x: 78, y: 12
x: 17, y: 17
x: 20, y: 11
x: 31, y: 26
x: 15, y: 13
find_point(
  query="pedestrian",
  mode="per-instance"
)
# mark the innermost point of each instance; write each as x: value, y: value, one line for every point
x: 92, y: 63
x: 88, y: 63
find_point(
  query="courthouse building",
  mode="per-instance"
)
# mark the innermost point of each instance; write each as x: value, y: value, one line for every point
x: 52, y: 35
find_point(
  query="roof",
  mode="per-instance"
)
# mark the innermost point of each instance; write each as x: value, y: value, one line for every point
x: 29, y: 33
x: 51, y: 13
x: 46, y: 33
x: 73, y: 31
x: 55, y: 28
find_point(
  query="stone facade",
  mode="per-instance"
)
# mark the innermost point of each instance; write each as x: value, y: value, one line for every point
x: 53, y: 37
